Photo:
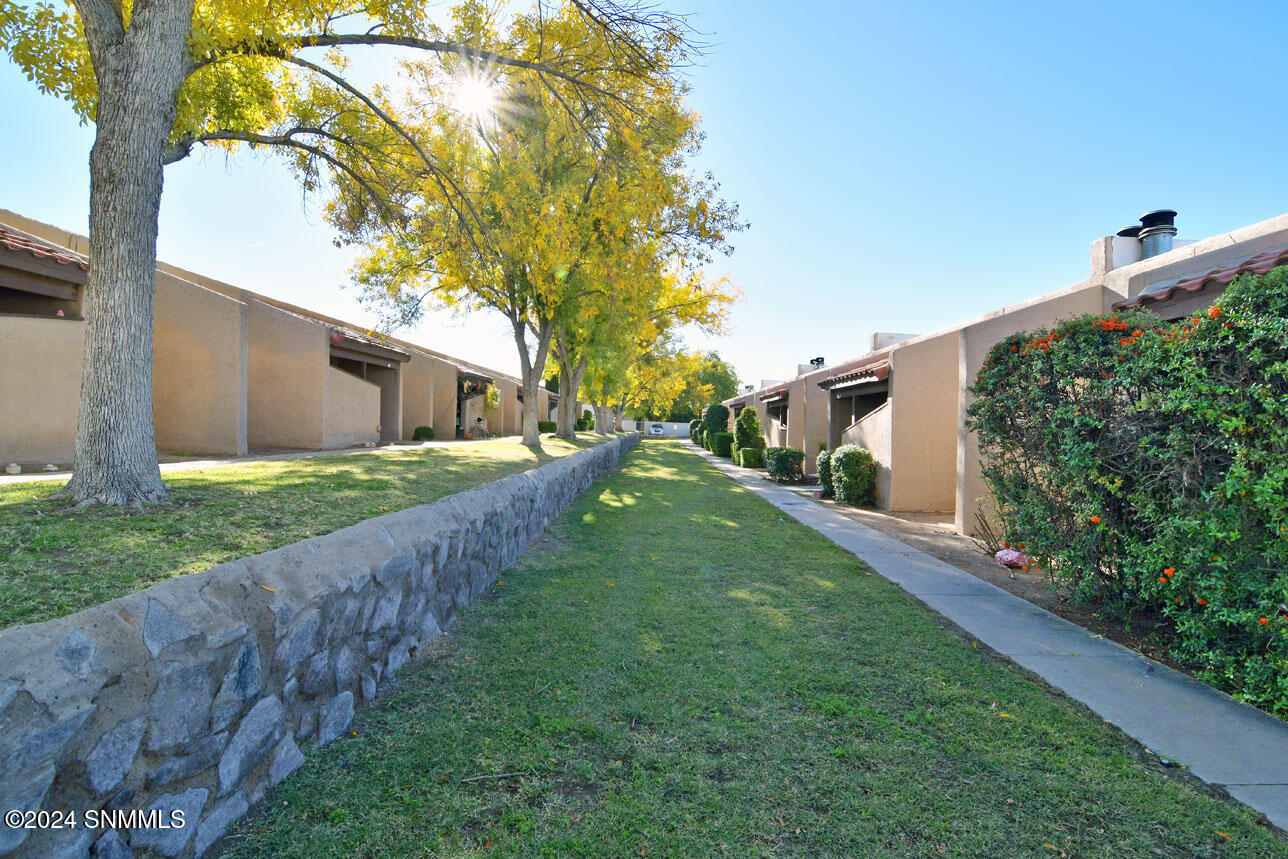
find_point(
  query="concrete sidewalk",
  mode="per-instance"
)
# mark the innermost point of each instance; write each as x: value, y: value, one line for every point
x: 1220, y: 740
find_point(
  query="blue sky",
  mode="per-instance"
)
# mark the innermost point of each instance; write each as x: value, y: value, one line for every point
x: 903, y: 165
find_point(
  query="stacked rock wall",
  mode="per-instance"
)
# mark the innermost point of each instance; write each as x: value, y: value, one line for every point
x: 199, y: 693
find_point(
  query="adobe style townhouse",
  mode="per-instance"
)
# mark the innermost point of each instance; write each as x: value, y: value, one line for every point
x: 233, y: 370
x: 906, y: 399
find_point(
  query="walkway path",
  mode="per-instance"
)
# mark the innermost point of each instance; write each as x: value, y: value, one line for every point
x: 188, y: 464
x: 1220, y: 740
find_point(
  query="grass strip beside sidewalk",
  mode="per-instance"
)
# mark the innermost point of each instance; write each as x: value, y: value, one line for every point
x: 680, y: 670
x: 55, y: 560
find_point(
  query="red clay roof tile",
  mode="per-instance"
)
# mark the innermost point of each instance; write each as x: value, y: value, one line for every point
x: 18, y: 242
x: 1223, y: 276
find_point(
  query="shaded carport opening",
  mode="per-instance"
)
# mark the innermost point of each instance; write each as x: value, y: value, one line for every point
x: 378, y: 363
x: 39, y: 280
x: 468, y: 386
x: 854, y: 393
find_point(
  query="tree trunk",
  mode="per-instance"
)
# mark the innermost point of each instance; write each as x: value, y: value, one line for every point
x: 569, y: 384
x: 139, y: 73
x: 534, y: 367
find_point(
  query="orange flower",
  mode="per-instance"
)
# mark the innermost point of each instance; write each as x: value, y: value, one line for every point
x: 1263, y: 621
x: 1202, y: 601
x: 1214, y: 312
x: 1178, y: 600
x: 1163, y: 579
x: 1020, y: 546
x: 1169, y: 571
x: 1095, y: 520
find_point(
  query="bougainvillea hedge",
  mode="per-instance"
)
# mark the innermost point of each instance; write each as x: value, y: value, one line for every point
x: 1145, y: 464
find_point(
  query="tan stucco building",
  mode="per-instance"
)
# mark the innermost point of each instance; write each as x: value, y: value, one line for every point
x: 234, y: 371
x: 906, y: 398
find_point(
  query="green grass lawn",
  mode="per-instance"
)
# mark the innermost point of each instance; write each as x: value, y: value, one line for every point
x: 680, y: 670
x: 55, y: 559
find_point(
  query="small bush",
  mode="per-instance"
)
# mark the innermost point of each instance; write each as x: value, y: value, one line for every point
x: 547, y: 426
x: 422, y: 434
x: 854, y: 475
x: 785, y: 464
x: 722, y: 444
x: 695, y: 426
x: 585, y: 422
x: 824, y: 465
x: 751, y: 457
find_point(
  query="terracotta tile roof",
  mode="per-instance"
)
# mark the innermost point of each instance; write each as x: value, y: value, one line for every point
x: 19, y: 242
x: 870, y: 367
x: 1259, y: 264
x: 774, y: 391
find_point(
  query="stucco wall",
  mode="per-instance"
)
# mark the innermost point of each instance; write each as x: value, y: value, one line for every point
x: 924, y: 382
x: 418, y: 395
x: 975, y: 341
x: 352, y: 410
x: 201, y: 692
x: 286, y: 362
x: 199, y: 355
x: 40, y: 376
x: 796, y: 414
x: 444, y: 399
x: 873, y: 433
x: 818, y: 411
x: 508, y: 419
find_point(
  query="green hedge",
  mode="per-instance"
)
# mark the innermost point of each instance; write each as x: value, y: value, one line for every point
x: 714, y: 420
x: 695, y: 427
x: 722, y: 444
x: 824, y: 465
x: 785, y: 464
x: 547, y: 426
x: 422, y: 434
x: 750, y: 457
x: 747, y: 434
x: 585, y: 422
x: 854, y: 475
x: 1144, y: 463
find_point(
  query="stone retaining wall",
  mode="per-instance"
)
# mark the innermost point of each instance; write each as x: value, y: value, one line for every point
x: 198, y: 694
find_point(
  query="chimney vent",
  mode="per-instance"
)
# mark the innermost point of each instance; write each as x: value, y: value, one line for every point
x: 817, y: 362
x: 1156, y: 231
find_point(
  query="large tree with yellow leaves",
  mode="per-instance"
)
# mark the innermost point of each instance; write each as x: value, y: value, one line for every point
x: 570, y: 211
x: 158, y: 77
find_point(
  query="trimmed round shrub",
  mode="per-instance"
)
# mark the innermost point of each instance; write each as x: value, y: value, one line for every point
x: 722, y: 444
x: 422, y: 434
x: 785, y: 464
x: 854, y: 475
x: 695, y: 426
x: 750, y: 457
x: 716, y: 419
x: 547, y: 426
x: 824, y: 465
x: 746, y: 432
